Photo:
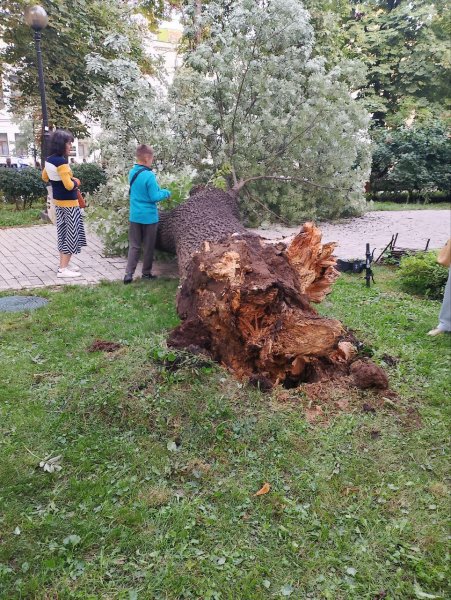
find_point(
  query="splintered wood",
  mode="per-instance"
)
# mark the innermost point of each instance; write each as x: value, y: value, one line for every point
x: 313, y: 262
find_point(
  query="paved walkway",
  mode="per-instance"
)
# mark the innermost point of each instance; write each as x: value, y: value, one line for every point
x: 414, y: 227
x: 28, y: 257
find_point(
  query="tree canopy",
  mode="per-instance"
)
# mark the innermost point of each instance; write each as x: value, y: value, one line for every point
x: 76, y: 28
x: 405, y: 46
x: 253, y: 102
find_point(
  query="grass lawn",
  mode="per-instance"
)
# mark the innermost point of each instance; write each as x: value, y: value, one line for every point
x: 155, y: 496
x: 10, y: 217
x: 372, y: 206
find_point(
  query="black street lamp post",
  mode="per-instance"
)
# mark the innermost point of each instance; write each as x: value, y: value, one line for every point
x: 37, y: 19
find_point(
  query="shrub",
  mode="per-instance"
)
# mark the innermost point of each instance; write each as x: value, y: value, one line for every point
x: 421, y: 274
x: 91, y: 176
x: 405, y: 197
x: 22, y: 186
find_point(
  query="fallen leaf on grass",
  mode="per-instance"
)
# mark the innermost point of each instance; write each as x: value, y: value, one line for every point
x: 351, y: 490
x: 38, y: 360
x: 282, y: 396
x: 264, y: 490
x: 391, y: 361
x: 287, y: 590
x: 50, y: 465
x: 72, y: 540
x: 389, y: 402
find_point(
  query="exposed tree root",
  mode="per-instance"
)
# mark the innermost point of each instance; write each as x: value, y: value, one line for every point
x: 246, y: 304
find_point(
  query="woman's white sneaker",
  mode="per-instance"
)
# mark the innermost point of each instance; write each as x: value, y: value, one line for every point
x: 67, y: 273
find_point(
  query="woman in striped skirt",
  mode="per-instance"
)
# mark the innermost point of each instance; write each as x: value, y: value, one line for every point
x: 69, y: 221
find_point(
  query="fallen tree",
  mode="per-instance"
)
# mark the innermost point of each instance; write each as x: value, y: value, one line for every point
x: 247, y: 304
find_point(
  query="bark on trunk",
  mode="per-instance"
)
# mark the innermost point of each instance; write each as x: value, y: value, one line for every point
x: 247, y: 303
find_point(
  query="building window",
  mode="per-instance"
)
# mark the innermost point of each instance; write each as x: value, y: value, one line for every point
x: 4, y: 147
x: 21, y: 145
x: 83, y: 149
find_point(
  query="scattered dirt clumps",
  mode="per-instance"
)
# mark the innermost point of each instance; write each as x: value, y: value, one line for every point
x: 261, y: 382
x: 104, y: 346
x: 389, y: 360
x: 366, y: 374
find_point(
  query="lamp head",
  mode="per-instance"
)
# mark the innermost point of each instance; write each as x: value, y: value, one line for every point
x: 36, y: 17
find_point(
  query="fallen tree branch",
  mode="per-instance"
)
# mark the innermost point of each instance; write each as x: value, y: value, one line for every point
x: 284, y: 179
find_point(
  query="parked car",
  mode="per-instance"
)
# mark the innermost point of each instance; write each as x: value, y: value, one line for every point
x: 14, y: 162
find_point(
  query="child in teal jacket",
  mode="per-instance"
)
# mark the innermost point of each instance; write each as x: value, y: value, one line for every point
x: 144, y: 195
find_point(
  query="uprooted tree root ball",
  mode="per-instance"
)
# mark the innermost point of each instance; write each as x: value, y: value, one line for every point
x: 246, y: 304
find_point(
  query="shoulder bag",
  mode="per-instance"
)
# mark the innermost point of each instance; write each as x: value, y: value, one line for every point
x: 133, y: 179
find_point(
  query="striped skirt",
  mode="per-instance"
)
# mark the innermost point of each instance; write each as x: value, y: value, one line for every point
x: 70, y: 230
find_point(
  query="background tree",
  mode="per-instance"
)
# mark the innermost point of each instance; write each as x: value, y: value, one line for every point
x: 29, y: 136
x: 253, y: 104
x: 76, y: 28
x: 405, y: 46
x: 327, y: 18
x: 414, y: 159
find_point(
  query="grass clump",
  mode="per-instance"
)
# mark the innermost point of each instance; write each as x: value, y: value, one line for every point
x: 11, y: 217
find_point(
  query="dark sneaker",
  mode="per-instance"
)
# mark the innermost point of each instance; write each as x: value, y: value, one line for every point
x: 128, y: 278
x: 148, y: 276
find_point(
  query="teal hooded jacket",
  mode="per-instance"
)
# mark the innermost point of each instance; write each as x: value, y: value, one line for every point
x: 144, y: 195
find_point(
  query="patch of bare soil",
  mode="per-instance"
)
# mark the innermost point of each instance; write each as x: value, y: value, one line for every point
x: 104, y: 346
x: 323, y: 400
x: 411, y: 419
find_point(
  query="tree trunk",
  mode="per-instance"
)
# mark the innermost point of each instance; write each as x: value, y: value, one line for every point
x: 247, y: 303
